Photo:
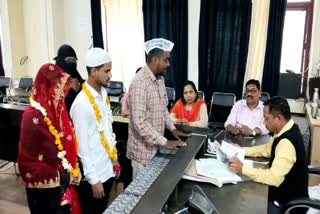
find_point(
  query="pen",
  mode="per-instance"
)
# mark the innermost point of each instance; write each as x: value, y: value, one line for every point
x: 181, y: 211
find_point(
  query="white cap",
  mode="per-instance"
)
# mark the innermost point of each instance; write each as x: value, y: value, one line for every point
x: 160, y: 43
x: 96, y: 57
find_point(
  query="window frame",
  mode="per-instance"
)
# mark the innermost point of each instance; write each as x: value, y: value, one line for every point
x: 305, y: 57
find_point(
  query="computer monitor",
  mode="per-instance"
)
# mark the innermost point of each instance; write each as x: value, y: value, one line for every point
x: 4, y: 82
x: 25, y: 83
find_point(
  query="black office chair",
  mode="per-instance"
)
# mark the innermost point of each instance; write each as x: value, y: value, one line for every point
x: 201, y: 95
x: 115, y: 91
x: 171, y: 94
x: 220, y: 107
x: 308, y: 202
x: 264, y: 96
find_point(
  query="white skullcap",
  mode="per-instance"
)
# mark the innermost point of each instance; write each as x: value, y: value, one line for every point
x: 96, y: 57
x: 160, y: 43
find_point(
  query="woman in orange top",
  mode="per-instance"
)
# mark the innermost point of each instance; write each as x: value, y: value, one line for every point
x: 189, y: 110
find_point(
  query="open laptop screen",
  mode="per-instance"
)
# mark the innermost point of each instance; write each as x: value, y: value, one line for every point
x: 25, y: 83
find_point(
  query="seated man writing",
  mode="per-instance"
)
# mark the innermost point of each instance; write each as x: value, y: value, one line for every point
x: 287, y: 175
x: 246, y: 116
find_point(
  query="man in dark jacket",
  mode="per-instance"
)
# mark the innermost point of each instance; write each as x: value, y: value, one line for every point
x: 287, y: 175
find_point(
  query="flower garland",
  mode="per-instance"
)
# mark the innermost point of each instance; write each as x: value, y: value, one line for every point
x: 61, y: 154
x: 113, y: 153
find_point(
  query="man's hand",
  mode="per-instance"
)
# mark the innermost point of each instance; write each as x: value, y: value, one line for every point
x: 176, y: 133
x: 98, y: 190
x: 175, y: 144
x: 233, y: 129
x: 235, y: 165
x: 245, y: 130
x: 116, y: 168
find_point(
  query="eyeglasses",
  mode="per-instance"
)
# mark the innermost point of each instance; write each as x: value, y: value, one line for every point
x: 251, y: 91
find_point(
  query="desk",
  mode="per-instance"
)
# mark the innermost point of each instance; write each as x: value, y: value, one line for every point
x: 11, y: 116
x: 314, y: 148
x: 10, y: 131
x: 228, y: 199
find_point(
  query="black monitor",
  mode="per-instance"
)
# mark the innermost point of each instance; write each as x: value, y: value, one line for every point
x: 4, y: 82
x: 25, y: 83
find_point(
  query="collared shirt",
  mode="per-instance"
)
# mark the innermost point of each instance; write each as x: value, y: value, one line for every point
x: 241, y: 114
x: 148, y: 116
x: 97, y: 165
x: 285, y: 157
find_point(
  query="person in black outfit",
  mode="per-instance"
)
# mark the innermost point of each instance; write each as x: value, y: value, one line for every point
x: 67, y: 60
x: 287, y: 175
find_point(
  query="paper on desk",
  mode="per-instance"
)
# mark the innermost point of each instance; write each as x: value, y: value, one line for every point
x: 214, y: 149
x: 232, y: 151
x: 213, y: 168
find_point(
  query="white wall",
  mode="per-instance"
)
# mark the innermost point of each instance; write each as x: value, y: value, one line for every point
x: 37, y: 28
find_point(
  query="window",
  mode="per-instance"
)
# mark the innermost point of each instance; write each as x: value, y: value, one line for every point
x: 1, y: 56
x: 296, y: 39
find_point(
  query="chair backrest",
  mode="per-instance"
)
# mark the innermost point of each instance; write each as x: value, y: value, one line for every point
x: 115, y: 88
x: 220, y: 107
x: 201, y: 95
x: 264, y: 96
x: 311, y: 202
x: 171, y: 94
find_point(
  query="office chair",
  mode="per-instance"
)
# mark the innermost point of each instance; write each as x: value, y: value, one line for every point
x: 115, y: 90
x: 220, y: 107
x: 308, y: 202
x: 171, y: 94
x: 264, y: 96
x: 201, y: 95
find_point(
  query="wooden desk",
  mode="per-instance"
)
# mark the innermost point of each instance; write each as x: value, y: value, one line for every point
x: 314, y: 125
x: 246, y: 197
x: 314, y: 152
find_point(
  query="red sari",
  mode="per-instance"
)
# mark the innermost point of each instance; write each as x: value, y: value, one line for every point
x: 180, y: 111
x: 37, y: 159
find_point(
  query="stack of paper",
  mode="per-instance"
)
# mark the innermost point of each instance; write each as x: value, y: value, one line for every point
x: 212, y: 171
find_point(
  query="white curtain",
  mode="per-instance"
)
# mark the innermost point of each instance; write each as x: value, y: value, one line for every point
x: 193, y: 38
x: 258, y: 40
x: 124, y: 37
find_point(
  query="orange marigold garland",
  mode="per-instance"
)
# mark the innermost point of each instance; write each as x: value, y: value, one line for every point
x: 113, y: 153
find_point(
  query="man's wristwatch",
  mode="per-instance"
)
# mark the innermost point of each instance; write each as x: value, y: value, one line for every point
x: 254, y: 132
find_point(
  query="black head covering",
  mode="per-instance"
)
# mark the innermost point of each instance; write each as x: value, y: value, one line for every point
x: 71, y: 67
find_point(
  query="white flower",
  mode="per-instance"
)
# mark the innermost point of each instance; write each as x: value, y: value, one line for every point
x: 66, y: 165
x: 61, y: 154
x: 100, y: 127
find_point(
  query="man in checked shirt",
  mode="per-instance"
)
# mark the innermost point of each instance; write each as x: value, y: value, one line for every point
x: 148, y: 101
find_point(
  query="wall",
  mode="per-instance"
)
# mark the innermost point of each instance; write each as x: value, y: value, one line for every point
x: 37, y: 28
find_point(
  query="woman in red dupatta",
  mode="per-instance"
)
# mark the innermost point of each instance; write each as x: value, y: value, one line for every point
x: 189, y: 110
x: 47, y: 156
